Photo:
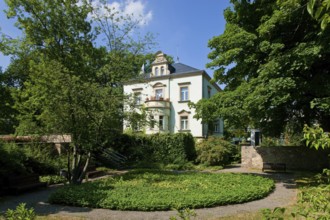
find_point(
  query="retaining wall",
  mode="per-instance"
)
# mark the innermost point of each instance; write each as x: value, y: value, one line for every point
x: 295, y: 158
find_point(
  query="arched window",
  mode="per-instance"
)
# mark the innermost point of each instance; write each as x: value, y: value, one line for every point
x: 156, y: 71
x: 162, y: 71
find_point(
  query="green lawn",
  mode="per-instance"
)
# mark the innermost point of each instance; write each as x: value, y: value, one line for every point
x: 149, y: 190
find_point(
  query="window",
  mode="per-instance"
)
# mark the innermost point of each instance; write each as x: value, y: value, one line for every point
x: 209, y: 92
x: 138, y: 98
x: 184, y: 94
x: 156, y: 71
x: 152, y: 122
x: 135, y: 126
x: 162, y: 71
x: 216, y: 127
x: 161, y: 122
x: 159, y: 94
x: 184, y: 123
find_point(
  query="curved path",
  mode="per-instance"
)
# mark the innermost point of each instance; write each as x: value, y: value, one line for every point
x: 283, y: 195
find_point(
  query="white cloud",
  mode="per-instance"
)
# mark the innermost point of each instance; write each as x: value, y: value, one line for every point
x: 134, y: 8
x: 137, y: 10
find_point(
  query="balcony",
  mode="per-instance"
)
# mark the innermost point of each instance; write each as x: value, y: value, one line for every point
x: 157, y: 103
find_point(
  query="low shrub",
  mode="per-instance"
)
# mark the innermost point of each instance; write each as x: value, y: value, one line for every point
x: 52, y: 179
x: 184, y: 214
x: 11, y: 160
x: 21, y: 212
x: 150, y: 190
x: 215, y: 152
x: 43, y: 159
x: 22, y: 159
x: 313, y: 201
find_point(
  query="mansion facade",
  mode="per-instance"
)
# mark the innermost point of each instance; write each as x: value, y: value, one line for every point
x: 165, y: 93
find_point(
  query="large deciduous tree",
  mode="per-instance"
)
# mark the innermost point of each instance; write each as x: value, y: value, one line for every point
x: 7, y: 113
x: 68, y: 84
x: 274, y: 60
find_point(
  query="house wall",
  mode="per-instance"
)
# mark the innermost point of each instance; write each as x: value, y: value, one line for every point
x: 206, y: 85
x: 197, y: 89
x: 171, y: 91
x: 195, y: 94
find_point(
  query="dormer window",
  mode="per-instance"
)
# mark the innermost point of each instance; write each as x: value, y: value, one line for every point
x: 160, y: 65
x: 156, y: 71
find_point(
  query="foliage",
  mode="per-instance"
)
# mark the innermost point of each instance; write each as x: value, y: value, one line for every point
x: 44, y: 159
x: 319, y: 10
x: 275, y: 214
x: 185, y: 166
x: 20, y: 159
x: 184, y: 214
x: 21, y: 213
x: 148, y: 190
x: 11, y: 160
x: 62, y: 82
x: 324, y: 177
x: 315, y: 137
x: 312, y: 201
x: 7, y: 113
x: 163, y: 148
x: 286, y: 139
x: 52, y: 179
x: 206, y: 110
x: 273, y: 59
x: 215, y: 151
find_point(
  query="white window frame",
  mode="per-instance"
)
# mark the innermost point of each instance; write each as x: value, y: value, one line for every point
x: 184, y: 93
x: 161, y: 94
x: 184, y: 122
x: 138, y: 98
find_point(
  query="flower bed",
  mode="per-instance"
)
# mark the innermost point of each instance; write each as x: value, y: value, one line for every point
x: 149, y: 190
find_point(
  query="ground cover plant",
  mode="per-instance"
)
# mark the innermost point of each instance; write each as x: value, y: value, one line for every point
x: 149, y: 190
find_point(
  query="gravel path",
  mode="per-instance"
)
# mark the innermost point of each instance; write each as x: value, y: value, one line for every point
x: 283, y: 195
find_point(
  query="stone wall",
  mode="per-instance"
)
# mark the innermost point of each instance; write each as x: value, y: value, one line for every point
x: 295, y: 158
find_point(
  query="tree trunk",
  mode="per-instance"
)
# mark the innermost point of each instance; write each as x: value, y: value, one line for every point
x: 77, y: 171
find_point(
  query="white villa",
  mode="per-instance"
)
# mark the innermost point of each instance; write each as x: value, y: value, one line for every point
x: 165, y: 94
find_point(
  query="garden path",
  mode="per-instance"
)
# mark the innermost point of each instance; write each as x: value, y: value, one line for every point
x: 283, y: 195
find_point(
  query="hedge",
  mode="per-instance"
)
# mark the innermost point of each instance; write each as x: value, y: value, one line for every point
x: 158, y: 148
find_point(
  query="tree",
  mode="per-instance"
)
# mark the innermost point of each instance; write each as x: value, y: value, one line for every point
x: 7, y: 113
x: 72, y: 86
x: 315, y: 137
x: 273, y: 59
x: 320, y: 10
x: 206, y: 110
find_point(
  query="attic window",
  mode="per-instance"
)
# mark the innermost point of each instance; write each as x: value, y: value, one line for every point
x: 162, y: 71
x: 156, y: 71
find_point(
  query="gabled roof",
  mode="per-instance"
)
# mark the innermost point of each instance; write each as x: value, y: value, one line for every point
x: 180, y: 68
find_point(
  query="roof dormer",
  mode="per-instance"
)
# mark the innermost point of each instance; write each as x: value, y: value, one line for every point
x: 160, y: 66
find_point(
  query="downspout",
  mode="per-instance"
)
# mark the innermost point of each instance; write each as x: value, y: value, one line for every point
x: 169, y: 97
x: 203, y: 127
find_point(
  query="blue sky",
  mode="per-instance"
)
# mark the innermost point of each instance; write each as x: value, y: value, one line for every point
x: 182, y: 27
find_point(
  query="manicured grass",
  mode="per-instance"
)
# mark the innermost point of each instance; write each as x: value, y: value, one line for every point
x: 148, y: 190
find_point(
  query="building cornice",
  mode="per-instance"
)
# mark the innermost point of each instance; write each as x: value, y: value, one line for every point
x: 174, y: 76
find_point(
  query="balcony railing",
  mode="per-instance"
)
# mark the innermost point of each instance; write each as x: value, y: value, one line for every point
x: 154, y: 102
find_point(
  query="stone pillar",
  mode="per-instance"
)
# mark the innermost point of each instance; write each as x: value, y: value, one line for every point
x: 58, y: 148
